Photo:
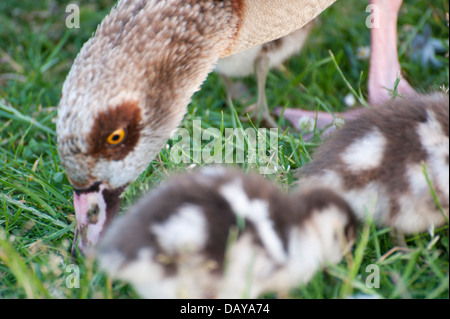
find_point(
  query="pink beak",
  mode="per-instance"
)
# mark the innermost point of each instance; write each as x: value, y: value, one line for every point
x: 94, y: 210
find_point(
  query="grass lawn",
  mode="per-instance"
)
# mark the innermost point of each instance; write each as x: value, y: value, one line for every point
x: 37, y: 219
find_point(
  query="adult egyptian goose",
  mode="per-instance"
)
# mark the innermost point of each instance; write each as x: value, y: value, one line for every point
x: 130, y: 85
x: 259, y: 60
x: 384, y: 70
x: 377, y: 162
x: 219, y: 233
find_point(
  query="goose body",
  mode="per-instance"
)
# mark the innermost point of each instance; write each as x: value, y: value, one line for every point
x: 201, y: 234
x: 376, y: 163
x: 130, y: 85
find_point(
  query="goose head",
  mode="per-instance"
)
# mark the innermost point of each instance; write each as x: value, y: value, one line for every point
x: 126, y: 92
x: 105, y: 144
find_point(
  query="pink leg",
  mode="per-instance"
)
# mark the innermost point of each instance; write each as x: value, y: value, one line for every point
x: 384, y: 64
x: 294, y: 116
x: 384, y: 67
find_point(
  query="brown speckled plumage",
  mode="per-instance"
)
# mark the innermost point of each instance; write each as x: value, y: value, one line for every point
x: 398, y: 137
x: 185, y: 229
x: 258, y: 60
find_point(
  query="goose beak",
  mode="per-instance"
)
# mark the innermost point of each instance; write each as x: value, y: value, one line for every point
x: 95, y: 208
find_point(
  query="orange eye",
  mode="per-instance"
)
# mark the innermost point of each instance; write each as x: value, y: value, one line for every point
x: 116, y: 137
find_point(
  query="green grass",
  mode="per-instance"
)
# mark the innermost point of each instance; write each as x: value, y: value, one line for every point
x: 36, y: 213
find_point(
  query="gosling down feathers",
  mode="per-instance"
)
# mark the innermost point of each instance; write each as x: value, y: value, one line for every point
x: 201, y: 234
x: 130, y: 85
x: 377, y: 162
x: 259, y: 60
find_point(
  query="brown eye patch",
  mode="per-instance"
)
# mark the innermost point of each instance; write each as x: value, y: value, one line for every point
x: 115, y: 132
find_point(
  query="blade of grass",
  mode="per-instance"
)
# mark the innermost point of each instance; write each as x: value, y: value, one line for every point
x: 26, y: 278
x: 357, y: 260
x: 16, y: 115
x: 433, y: 191
x: 360, y: 98
x: 444, y: 286
x: 32, y: 210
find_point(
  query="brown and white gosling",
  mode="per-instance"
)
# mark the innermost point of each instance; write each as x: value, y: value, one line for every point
x: 218, y: 233
x: 376, y: 162
x: 259, y: 60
